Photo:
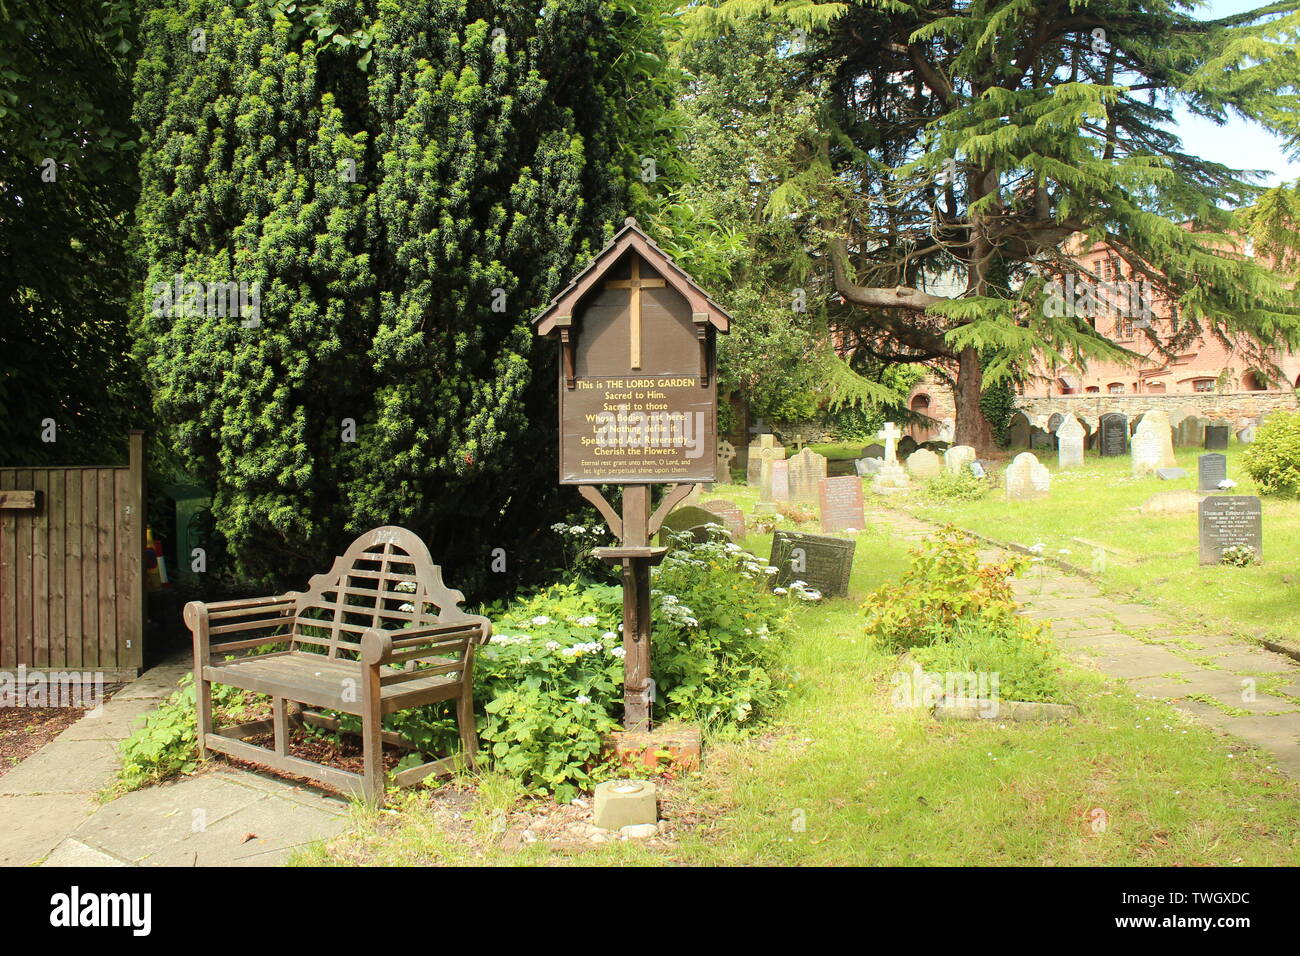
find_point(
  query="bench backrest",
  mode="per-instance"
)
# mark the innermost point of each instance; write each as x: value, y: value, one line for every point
x: 386, y: 579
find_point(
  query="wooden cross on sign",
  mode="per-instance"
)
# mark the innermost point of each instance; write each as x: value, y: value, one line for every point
x: 635, y: 284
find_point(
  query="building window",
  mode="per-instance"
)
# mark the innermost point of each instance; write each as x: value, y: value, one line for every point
x: 1203, y: 385
x: 1115, y: 388
x: 1093, y: 389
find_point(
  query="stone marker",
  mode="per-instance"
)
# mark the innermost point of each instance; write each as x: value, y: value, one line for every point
x: 1246, y: 434
x: 1189, y: 432
x: 1019, y: 430
x: 874, y: 450
x: 762, y: 452
x: 726, y: 455
x: 1153, y: 444
x: 947, y: 429
x: 891, y: 476
x: 906, y: 445
x: 1171, y: 502
x: 923, y: 463
x: 1054, y: 422
x: 691, y: 521
x: 1070, y: 436
x: 729, y: 514
x: 1027, y: 479
x: 1170, y: 474
x: 807, y: 469
x: 977, y: 469
x: 822, y: 562
x: 958, y: 457
x: 1216, y: 436
x: 1040, y: 439
x: 778, y: 481
x: 867, y: 466
x: 1112, y: 438
x: 1210, y: 470
x: 1226, y: 521
x: 841, y: 504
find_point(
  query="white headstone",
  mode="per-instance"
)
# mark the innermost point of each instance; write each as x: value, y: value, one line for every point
x: 890, y: 436
x: 923, y: 463
x: 1153, y: 444
x: 1027, y: 478
x: 1070, y: 436
x: 957, y: 458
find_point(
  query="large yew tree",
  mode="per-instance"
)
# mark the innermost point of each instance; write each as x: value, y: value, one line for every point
x: 963, y: 143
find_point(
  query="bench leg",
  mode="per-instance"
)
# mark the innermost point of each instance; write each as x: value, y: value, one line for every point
x: 465, y: 725
x: 202, y: 710
x: 372, y: 739
x: 279, y: 719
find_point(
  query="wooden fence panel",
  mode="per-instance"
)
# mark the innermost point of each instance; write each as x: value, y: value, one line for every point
x: 72, y: 569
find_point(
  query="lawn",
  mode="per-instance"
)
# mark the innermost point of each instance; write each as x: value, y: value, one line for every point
x: 1092, y: 514
x: 845, y: 777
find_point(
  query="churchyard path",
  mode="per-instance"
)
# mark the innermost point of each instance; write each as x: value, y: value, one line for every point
x: 1234, y: 686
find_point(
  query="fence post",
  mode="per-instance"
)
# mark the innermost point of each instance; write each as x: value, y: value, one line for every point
x: 136, y: 558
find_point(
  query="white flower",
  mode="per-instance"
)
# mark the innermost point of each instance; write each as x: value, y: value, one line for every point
x: 588, y: 621
x: 733, y: 547
x: 780, y: 591
x: 577, y: 529
x: 618, y: 652
x: 691, y: 622
x: 771, y: 570
x: 406, y: 587
x: 671, y: 599
x: 558, y: 526
x: 1036, y: 548
x: 407, y: 607
x: 541, y: 619
x: 609, y: 636
x: 1227, y: 483
x: 552, y: 645
x: 582, y: 699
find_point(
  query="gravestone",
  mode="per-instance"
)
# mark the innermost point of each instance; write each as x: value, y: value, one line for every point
x: 891, y: 476
x: 807, y: 469
x: 1226, y: 521
x: 1069, y: 443
x: 957, y: 458
x: 1170, y: 474
x: 726, y: 455
x: 730, y: 515
x: 1153, y: 444
x: 1054, y: 422
x: 819, y: 561
x: 1027, y: 479
x: 947, y: 430
x: 1210, y: 470
x: 923, y: 463
x: 874, y: 451
x: 867, y: 466
x: 841, y: 504
x: 1246, y: 434
x: 692, y: 522
x: 1216, y: 436
x: 1189, y: 432
x: 778, y: 481
x: 1112, y: 437
x: 906, y: 445
x: 761, y: 454
x: 977, y: 469
x: 1020, y: 429
x: 1040, y: 439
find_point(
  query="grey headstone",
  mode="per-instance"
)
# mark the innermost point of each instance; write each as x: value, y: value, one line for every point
x: 977, y: 469
x: 692, y: 522
x: 1112, y: 439
x: 906, y: 445
x: 1210, y: 470
x: 1216, y: 436
x: 868, y: 466
x: 874, y: 451
x: 1019, y: 430
x: 1226, y: 521
x: 820, y: 561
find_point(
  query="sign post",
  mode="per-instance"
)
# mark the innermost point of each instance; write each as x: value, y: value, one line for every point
x: 638, y: 408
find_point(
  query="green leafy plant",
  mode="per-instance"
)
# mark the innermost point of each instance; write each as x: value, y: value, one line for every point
x: 962, y: 486
x: 1273, y: 459
x: 1026, y: 669
x: 1238, y: 556
x: 946, y: 586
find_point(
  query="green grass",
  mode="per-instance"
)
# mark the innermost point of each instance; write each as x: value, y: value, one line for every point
x: 1151, y: 557
x: 838, y: 450
x: 872, y: 784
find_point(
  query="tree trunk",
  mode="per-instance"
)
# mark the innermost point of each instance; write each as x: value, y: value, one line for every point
x: 972, y: 427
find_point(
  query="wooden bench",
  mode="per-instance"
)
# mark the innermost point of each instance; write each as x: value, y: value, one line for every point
x: 379, y: 632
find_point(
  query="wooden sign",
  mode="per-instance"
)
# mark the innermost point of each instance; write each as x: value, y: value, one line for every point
x: 638, y: 407
x: 19, y: 500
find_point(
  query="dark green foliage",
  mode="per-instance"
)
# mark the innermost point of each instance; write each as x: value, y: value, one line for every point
x: 1273, y: 459
x: 401, y: 300
x: 65, y: 244
x: 998, y: 401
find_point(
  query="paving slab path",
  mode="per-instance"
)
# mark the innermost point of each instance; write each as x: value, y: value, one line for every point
x: 52, y: 814
x: 1233, y: 685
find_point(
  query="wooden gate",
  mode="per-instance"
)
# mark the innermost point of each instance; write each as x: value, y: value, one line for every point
x: 71, y: 567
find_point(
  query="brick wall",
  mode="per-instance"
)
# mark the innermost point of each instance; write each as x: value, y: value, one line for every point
x: 1229, y: 406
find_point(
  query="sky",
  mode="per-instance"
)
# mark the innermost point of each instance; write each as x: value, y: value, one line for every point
x: 1238, y: 144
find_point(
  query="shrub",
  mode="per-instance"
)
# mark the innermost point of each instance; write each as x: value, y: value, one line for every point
x: 1273, y: 459
x: 962, y: 486
x: 944, y: 586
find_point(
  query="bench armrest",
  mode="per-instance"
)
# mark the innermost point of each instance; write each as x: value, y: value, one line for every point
x: 220, y: 618
x: 420, y: 643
